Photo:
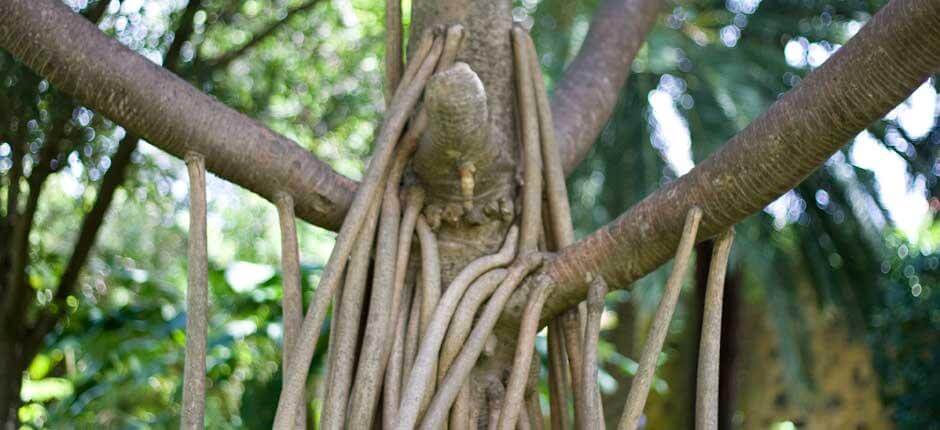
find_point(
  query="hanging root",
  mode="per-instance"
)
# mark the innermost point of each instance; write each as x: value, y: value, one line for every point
x: 463, y: 364
x: 430, y: 274
x: 706, y: 392
x: 523, y: 357
x: 393, y: 374
x: 393, y: 53
x: 400, y: 306
x: 639, y: 388
x: 572, y: 335
x: 534, y: 410
x: 292, y: 298
x: 421, y: 378
x: 457, y: 333
x: 402, y: 104
x: 339, y: 380
x: 197, y: 299
x: 531, y: 153
x: 557, y: 376
x: 595, y: 304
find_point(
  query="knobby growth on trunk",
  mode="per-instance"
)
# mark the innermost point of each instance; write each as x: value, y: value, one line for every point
x: 470, y: 158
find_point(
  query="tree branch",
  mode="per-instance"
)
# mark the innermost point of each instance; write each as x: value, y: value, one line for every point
x: 883, y: 64
x: 224, y: 60
x: 160, y: 107
x: 589, y: 90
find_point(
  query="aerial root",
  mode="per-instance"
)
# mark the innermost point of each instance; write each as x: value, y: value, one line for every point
x: 404, y: 101
x: 421, y: 378
x: 522, y: 360
x: 639, y: 388
x: 594, y: 416
x: 414, y: 201
x: 706, y: 392
x: 292, y: 299
x: 197, y: 299
x: 557, y: 376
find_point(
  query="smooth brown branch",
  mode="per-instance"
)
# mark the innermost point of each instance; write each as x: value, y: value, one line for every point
x: 393, y: 47
x: 295, y: 379
x: 557, y: 376
x: 522, y: 361
x: 463, y: 364
x: 292, y: 296
x: 595, y: 305
x: 197, y: 300
x: 706, y: 390
x: 531, y: 148
x: 422, y: 375
x: 343, y: 352
x: 639, y: 389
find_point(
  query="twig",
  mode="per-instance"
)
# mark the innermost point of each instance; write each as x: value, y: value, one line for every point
x: 639, y: 389
x: 197, y: 299
x: 292, y: 297
x: 461, y: 367
x: 595, y: 305
x: 293, y: 388
x: 706, y: 392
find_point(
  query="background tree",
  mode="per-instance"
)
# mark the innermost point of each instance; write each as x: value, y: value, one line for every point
x: 262, y: 96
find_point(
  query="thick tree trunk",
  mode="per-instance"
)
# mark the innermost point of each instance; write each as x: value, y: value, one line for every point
x: 469, y: 230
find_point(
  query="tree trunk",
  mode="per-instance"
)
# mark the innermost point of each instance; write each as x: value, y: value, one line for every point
x: 11, y: 377
x: 468, y: 231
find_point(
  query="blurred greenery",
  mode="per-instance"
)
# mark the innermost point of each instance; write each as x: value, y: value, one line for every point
x: 709, y: 68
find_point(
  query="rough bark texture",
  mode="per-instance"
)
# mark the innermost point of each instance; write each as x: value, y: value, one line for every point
x: 165, y: 110
x: 466, y: 234
x: 889, y: 58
